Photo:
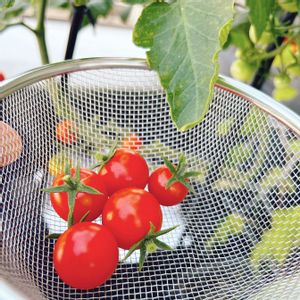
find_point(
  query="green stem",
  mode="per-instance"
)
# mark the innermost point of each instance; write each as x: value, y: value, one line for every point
x: 40, y: 30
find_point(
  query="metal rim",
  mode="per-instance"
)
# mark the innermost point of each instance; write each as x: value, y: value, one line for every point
x: 256, y: 97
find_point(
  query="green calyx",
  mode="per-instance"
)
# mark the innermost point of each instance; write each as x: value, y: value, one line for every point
x: 180, y: 173
x: 149, y: 244
x: 103, y: 159
x: 72, y: 186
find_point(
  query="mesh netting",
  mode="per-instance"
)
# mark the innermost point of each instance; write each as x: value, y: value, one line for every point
x: 239, y: 232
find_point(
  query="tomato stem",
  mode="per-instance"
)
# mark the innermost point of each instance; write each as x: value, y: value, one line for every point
x: 149, y: 244
x: 179, y: 173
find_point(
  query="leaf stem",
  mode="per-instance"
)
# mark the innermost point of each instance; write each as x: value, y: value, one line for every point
x: 40, y: 30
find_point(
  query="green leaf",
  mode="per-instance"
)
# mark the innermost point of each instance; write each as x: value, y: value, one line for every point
x: 192, y: 174
x: 169, y: 165
x: 53, y: 236
x: 260, y: 13
x: 164, y: 231
x: 133, y: 248
x: 184, y: 51
x: 77, y: 172
x: 143, y: 253
x: 57, y: 189
x: 71, y: 202
x: 87, y: 189
x: 98, y: 8
x: 162, y: 245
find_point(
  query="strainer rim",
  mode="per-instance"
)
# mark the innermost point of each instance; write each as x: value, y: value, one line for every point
x: 256, y: 97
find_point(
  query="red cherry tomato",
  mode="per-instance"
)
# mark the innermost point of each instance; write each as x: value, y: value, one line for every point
x: 2, y: 77
x: 132, y: 142
x: 157, y: 186
x: 86, y: 255
x: 125, y: 169
x: 66, y: 132
x: 128, y: 214
x: 84, y: 202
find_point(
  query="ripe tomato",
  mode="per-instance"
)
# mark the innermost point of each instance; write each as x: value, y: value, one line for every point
x: 85, y: 255
x: 84, y: 202
x: 157, y: 186
x: 128, y: 214
x: 125, y: 169
x: 132, y: 142
x: 66, y: 132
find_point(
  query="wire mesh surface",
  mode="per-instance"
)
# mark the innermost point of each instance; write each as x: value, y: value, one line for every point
x: 239, y: 232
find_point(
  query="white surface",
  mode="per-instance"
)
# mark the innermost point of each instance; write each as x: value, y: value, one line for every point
x: 19, y: 50
x: 7, y: 293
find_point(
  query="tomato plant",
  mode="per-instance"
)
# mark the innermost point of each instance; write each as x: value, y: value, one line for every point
x: 123, y: 168
x: 86, y: 255
x: 134, y: 217
x: 132, y: 142
x: 66, y: 132
x: 170, y: 184
x: 83, y: 190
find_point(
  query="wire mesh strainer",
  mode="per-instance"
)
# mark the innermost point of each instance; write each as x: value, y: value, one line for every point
x: 239, y: 233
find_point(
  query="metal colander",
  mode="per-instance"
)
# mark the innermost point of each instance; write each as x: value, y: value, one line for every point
x: 238, y: 234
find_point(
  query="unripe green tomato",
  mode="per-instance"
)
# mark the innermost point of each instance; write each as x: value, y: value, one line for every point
x: 242, y: 70
x: 281, y: 80
x: 285, y: 93
x: 286, y: 57
x: 238, y: 53
x: 294, y: 70
x: 288, y: 5
x: 265, y: 39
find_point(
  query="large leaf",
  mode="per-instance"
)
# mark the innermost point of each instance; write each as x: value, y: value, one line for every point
x: 98, y: 8
x: 259, y: 14
x: 184, y: 38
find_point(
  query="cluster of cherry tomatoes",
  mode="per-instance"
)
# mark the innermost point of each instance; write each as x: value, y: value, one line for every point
x: 86, y: 254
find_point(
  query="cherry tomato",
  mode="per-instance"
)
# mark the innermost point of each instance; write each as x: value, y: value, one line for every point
x: 132, y: 142
x: 157, y: 187
x: 126, y: 168
x: 66, y: 132
x: 86, y: 255
x: 2, y: 77
x: 84, y: 202
x: 128, y: 213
